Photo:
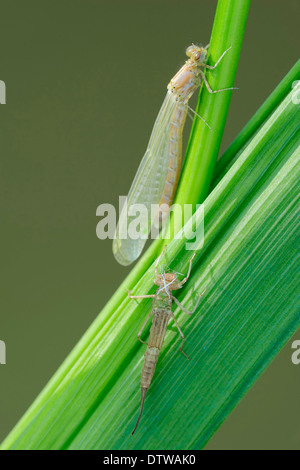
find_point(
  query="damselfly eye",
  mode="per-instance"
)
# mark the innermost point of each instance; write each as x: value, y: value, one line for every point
x: 197, y: 55
x: 190, y: 50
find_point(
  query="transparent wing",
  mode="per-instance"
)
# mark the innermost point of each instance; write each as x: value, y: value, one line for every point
x: 146, y: 189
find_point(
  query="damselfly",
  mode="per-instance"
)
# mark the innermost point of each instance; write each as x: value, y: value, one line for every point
x: 157, y: 177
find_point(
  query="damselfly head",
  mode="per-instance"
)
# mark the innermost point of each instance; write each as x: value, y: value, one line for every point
x: 197, y: 53
x: 168, y: 280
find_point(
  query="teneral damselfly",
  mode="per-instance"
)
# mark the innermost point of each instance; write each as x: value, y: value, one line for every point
x: 157, y: 177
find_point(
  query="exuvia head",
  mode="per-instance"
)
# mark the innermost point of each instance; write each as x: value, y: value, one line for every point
x: 168, y: 280
x: 197, y: 54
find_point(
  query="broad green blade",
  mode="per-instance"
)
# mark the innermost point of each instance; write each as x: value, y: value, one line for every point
x: 250, y: 309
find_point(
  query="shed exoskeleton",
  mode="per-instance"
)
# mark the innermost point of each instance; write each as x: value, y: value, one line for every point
x: 161, y: 312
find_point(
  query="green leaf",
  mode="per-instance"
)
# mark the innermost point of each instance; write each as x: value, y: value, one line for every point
x: 259, y: 118
x: 249, y: 310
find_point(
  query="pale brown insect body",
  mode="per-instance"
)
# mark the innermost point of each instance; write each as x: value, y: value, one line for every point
x: 162, y: 312
x: 158, y: 175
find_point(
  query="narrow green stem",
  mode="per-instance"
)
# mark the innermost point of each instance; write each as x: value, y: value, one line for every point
x: 203, y: 148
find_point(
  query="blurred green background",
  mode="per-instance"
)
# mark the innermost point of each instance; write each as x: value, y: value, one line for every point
x: 85, y: 80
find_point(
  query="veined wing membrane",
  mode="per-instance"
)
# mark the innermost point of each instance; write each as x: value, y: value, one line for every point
x: 147, y: 187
